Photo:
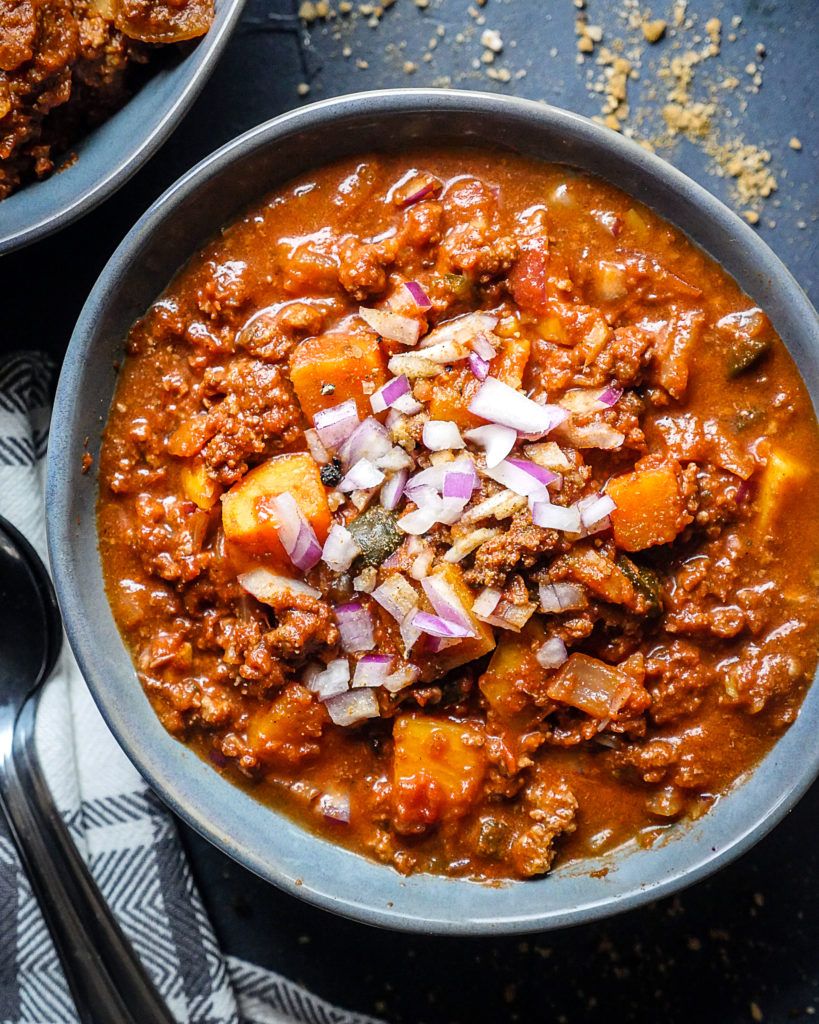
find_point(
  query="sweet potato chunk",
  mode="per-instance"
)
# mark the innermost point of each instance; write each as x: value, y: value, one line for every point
x: 438, y: 767
x: 285, y: 733
x: 782, y: 472
x: 249, y: 521
x: 332, y: 368
x: 650, y: 508
x: 198, y: 486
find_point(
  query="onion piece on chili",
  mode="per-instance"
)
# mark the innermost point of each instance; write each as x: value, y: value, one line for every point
x: 586, y: 400
x: 499, y: 403
x: 393, y: 490
x: 422, y: 519
x: 562, y: 597
x: 393, y: 326
x: 556, y: 517
x: 500, y: 506
x: 335, y: 425
x: 333, y: 680
x: 442, y: 435
x: 595, y: 508
x: 461, y: 330
x: 402, y: 678
x: 372, y: 670
x: 406, y: 404
x: 419, y: 296
x: 335, y: 806
x: 465, y: 545
x: 355, y: 624
x: 482, y: 347
x: 479, y: 366
x: 434, y: 625
x: 269, y: 587
x: 486, y: 602
x: 353, y: 707
x: 510, y: 616
x: 315, y: 447
x: 387, y: 395
x: 295, y: 533
x: 496, y: 441
x: 459, y: 482
x: 370, y: 440
x: 340, y: 549
x: 397, y: 597
x: 519, y: 480
x: 552, y: 653
x: 443, y: 598
x: 361, y: 477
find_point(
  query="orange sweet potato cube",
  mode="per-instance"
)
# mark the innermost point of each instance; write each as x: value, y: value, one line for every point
x: 247, y: 517
x: 332, y: 368
x: 438, y: 767
x: 650, y: 507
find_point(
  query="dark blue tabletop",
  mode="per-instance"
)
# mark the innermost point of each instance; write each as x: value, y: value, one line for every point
x: 743, y: 946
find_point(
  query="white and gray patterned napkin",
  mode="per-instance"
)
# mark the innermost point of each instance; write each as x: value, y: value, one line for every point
x: 128, y: 838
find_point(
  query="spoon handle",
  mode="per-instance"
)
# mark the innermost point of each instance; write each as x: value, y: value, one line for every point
x: 107, y: 981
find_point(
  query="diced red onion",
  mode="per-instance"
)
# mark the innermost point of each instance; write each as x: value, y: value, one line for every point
x: 387, y: 395
x: 450, y: 510
x: 443, y: 598
x: 436, y: 644
x: 461, y: 330
x: 335, y: 806
x: 270, y: 588
x: 396, y: 596
x: 355, y: 624
x: 429, y: 188
x: 335, y: 425
x: 483, y: 347
x: 409, y: 632
x: 594, y: 509
x: 393, y: 490
x: 401, y: 678
x: 370, y: 440
x: 556, y: 517
x: 459, y: 484
x: 518, y: 480
x: 479, y: 366
x: 361, y: 477
x: 407, y: 405
x: 486, y: 602
x: 610, y: 396
x: 422, y: 519
x: 552, y: 653
x: 372, y: 670
x: 419, y: 296
x: 431, y: 477
x: 499, y: 403
x: 340, y: 549
x: 393, y: 326
x: 496, y: 441
x: 434, y: 625
x: 540, y: 473
x: 511, y: 616
x: 333, y: 680
x: 316, y: 448
x: 295, y: 533
x: 441, y: 435
x: 353, y: 707
x: 561, y: 597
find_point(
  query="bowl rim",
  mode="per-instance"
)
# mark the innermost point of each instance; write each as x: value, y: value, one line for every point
x: 61, y: 458
x: 140, y: 149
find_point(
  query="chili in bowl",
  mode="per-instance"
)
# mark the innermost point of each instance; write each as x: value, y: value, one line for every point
x: 451, y: 504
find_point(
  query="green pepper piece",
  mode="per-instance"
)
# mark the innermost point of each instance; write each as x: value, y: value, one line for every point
x: 745, y: 353
x: 376, y: 534
x: 645, y: 580
x: 460, y: 286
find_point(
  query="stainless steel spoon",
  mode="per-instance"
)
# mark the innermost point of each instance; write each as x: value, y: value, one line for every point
x: 106, y: 979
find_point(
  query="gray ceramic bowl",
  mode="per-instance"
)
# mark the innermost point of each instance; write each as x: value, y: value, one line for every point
x: 269, y: 844
x: 109, y: 155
